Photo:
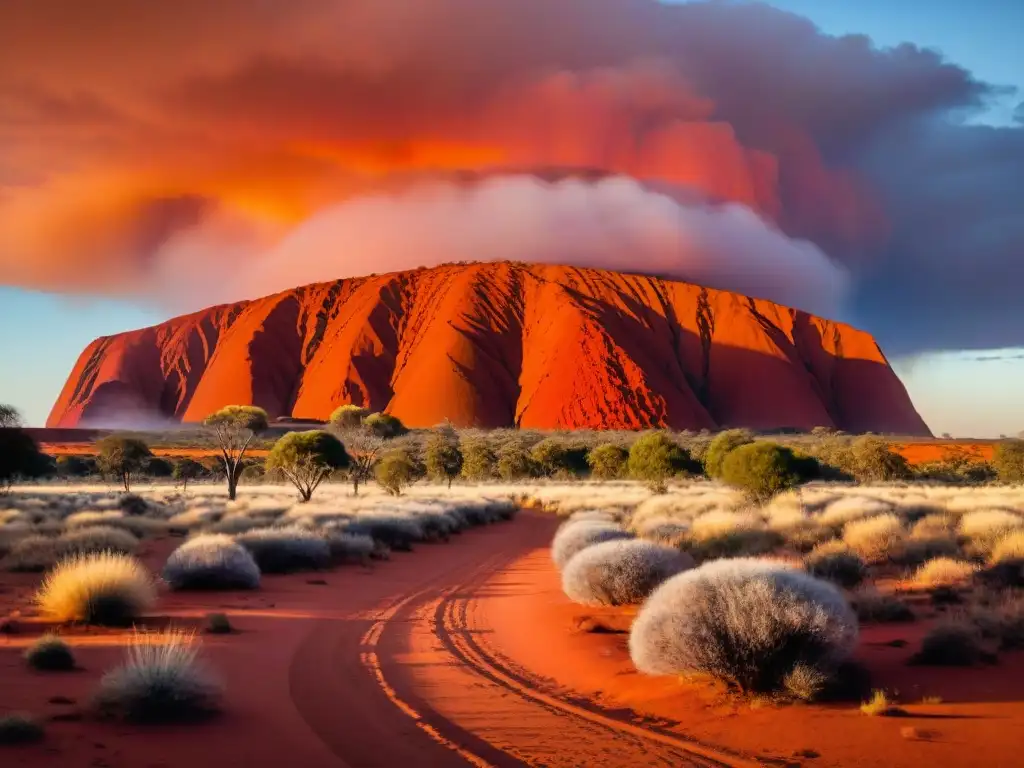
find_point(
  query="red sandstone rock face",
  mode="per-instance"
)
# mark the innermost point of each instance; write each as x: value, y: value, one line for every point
x: 502, y: 344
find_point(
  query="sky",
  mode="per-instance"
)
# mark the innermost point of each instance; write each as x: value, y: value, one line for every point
x: 880, y: 188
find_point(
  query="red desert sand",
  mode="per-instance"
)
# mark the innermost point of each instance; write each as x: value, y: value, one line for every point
x: 497, y: 345
x: 470, y: 655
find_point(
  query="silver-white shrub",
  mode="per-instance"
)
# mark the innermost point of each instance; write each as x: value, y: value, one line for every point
x: 620, y: 572
x: 285, y: 550
x: 746, y: 621
x: 574, y: 537
x: 211, y: 561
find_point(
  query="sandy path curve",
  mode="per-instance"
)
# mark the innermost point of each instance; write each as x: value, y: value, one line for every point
x: 409, y: 683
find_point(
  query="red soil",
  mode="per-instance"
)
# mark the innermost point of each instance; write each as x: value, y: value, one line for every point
x: 495, y: 345
x: 943, y: 450
x: 467, y: 654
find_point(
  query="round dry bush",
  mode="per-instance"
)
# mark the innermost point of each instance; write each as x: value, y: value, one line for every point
x: 161, y: 681
x: 575, y: 537
x: 986, y: 527
x: 286, y: 550
x: 1010, y: 548
x: 50, y: 654
x: 100, y: 588
x: 98, y: 538
x: 397, y: 532
x: 845, y: 509
x: 940, y: 524
x: 350, y: 547
x: 662, y: 530
x: 943, y: 572
x: 593, y: 515
x: 621, y: 572
x: 918, y: 549
x: 876, y: 539
x: 951, y: 644
x: 32, y: 554
x: 746, y: 621
x: 211, y: 561
x: 836, y: 562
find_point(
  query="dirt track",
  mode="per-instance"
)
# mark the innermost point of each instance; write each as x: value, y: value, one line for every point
x: 410, y: 684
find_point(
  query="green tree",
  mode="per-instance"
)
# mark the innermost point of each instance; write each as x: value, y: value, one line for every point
x: 19, y: 457
x: 396, y: 470
x: 479, y: 462
x: 1008, y: 461
x: 515, y: 462
x: 364, y: 451
x: 348, y: 416
x: 384, y: 425
x: 10, y: 418
x: 763, y: 469
x: 874, y: 460
x: 554, y: 456
x: 306, y: 459
x: 122, y: 457
x: 608, y: 461
x: 234, y: 428
x: 721, y: 446
x: 185, y: 470
x: 654, y: 458
x: 76, y: 466
x: 157, y: 467
x: 442, y: 455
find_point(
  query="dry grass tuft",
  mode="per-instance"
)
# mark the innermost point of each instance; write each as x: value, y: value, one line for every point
x: 102, y: 588
x: 50, y: 654
x: 161, y: 681
x: 879, y: 705
x: 943, y: 572
x: 876, y: 539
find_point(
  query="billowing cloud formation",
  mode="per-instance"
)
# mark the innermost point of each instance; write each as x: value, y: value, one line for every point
x: 153, y: 139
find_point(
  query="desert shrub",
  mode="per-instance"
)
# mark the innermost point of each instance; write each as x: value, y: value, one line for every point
x: 721, y: 446
x: 306, y: 459
x: 160, y: 681
x: 395, y: 471
x: 32, y: 554
x: 98, y: 538
x: 608, y: 461
x: 1002, y: 621
x: 845, y: 509
x: 745, y: 621
x: 655, y: 458
x: 742, y: 540
x: 384, y: 425
x: 218, y: 624
x: 835, y: 561
x: 442, y: 456
x: 984, y: 528
x: 875, y: 608
x: 396, y: 532
x: 19, y: 728
x: 514, y: 462
x: 479, y: 461
x: 133, y: 504
x: 935, y: 525
x: 76, y: 466
x: 1008, y: 461
x: 804, y: 682
x: 665, y: 531
x: 1008, y: 548
x: 876, y: 539
x: 951, y: 644
x: 763, y: 469
x: 211, y: 561
x: 879, y: 705
x: 285, y: 550
x: 943, y: 572
x: 350, y: 547
x: 555, y: 456
x: 620, y: 572
x: 873, y: 460
x: 157, y: 467
x: 50, y: 654
x: 186, y: 470
x: 574, y: 537
x: 99, y: 588
x: 348, y: 416
x: 917, y: 549
x: 122, y: 457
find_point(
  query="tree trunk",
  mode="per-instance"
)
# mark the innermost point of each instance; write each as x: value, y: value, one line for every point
x: 355, y: 485
x: 126, y: 478
x: 232, y: 482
